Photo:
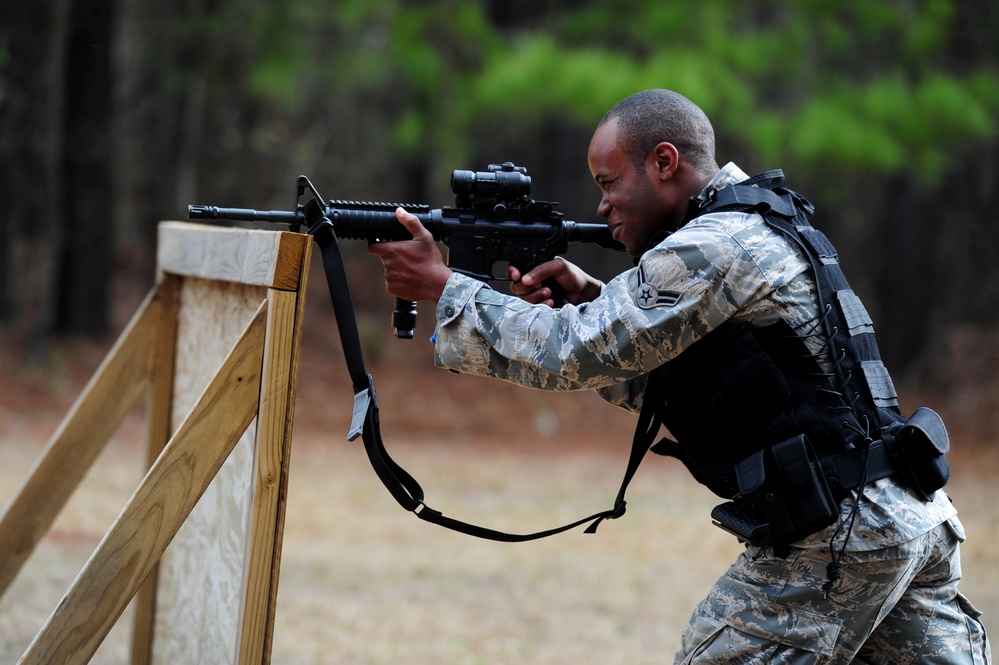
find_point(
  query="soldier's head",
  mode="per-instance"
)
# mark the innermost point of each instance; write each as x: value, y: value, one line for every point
x: 650, y: 117
x: 649, y: 154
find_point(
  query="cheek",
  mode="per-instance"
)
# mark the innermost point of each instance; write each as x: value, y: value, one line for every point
x: 619, y: 200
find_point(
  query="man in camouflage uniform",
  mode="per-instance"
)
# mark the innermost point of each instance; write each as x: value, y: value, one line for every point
x: 894, y: 598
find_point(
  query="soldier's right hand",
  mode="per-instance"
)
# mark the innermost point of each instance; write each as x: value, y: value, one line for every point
x: 533, y: 286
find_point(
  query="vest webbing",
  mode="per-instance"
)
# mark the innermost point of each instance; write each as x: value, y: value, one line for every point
x: 848, y: 327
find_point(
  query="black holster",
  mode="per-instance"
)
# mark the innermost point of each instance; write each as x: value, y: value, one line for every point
x: 784, y: 496
x: 919, y: 453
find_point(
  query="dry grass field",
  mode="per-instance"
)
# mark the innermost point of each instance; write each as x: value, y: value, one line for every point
x: 363, y: 582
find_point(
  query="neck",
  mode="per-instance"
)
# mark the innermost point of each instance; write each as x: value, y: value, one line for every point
x: 689, y: 183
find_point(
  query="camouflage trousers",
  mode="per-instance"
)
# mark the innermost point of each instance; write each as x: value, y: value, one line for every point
x: 896, y: 605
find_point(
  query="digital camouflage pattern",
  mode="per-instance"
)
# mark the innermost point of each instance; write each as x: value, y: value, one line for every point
x: 896, y: 605
x: 718, y: 267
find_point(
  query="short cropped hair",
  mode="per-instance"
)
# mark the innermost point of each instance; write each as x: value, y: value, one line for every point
x: 650, y: 117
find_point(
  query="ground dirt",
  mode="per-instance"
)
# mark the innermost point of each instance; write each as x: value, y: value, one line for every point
x: 363, y: 582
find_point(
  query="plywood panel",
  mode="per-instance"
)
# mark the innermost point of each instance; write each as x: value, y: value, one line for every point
x: 201, y: 573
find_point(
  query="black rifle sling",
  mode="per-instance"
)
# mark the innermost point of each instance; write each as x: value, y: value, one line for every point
x: 365, y: 422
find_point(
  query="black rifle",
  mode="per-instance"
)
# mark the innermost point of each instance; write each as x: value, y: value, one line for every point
x: 493, y: 220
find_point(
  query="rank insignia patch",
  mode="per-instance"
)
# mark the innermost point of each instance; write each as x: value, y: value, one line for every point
x: 648, y: 296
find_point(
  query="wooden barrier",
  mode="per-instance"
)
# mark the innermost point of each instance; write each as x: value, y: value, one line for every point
x: 214, y: 347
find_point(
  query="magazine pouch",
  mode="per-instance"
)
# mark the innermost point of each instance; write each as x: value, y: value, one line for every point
x: 784, y: 486
x: 919, y: 452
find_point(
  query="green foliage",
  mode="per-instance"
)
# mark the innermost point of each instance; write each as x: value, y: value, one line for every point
x: 882, y: 87
x: 537, y: 77
x: 282, y: 52
x: 885, y: 126
x: 855, y: 85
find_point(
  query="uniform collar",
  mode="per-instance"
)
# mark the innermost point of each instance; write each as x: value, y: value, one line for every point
x: 729, y: 174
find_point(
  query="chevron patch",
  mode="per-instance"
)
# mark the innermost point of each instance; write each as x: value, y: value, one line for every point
x: 648, y: 296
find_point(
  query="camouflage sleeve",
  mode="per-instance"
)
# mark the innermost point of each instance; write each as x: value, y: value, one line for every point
x: 690, y: 284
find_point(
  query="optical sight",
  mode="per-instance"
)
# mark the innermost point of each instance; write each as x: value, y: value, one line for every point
x: 506, y: 182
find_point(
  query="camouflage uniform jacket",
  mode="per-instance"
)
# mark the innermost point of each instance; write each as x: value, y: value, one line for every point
x: 715, y: 268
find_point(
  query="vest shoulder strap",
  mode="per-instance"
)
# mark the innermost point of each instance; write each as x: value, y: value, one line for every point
x: 846, y: 322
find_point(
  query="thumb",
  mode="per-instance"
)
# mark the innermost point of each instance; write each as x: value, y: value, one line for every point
x: 411, y: 223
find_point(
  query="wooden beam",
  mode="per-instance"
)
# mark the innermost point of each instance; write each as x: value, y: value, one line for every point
x: 158, y: 433
x: 269, y: 489
x: 257, y: 649
x: 116, y: 386
x: 260, y: 258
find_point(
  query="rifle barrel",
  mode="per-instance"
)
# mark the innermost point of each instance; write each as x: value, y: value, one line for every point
x: 215, y: 213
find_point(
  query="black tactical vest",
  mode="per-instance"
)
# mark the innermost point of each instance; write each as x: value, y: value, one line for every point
x: 741, y: 390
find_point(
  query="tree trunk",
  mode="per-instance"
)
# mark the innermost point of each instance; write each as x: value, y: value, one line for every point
x: 31, y: 94
x: 86, y: 218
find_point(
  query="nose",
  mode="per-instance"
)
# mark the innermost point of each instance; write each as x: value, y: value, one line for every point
x: 604, y: 207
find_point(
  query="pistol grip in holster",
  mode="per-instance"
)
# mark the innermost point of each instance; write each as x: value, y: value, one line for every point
x: 745, y: 526
x: 784, y: 496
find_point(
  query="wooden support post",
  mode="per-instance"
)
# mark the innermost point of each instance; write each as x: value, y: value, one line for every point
x: 158, y: 432
x: 270, y: 488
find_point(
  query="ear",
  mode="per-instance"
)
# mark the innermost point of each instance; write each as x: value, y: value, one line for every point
x: 663, y: 160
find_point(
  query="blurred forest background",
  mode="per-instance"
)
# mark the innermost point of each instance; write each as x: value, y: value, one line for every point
x: 115, y: 114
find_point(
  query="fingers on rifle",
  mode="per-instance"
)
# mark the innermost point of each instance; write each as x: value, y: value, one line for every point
x: 410, y: 221
x: 544, y: 271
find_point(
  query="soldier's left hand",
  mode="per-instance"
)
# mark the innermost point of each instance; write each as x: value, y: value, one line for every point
x: 414, y: 269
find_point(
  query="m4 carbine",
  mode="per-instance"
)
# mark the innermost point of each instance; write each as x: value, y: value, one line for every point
x: 493, y: 220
